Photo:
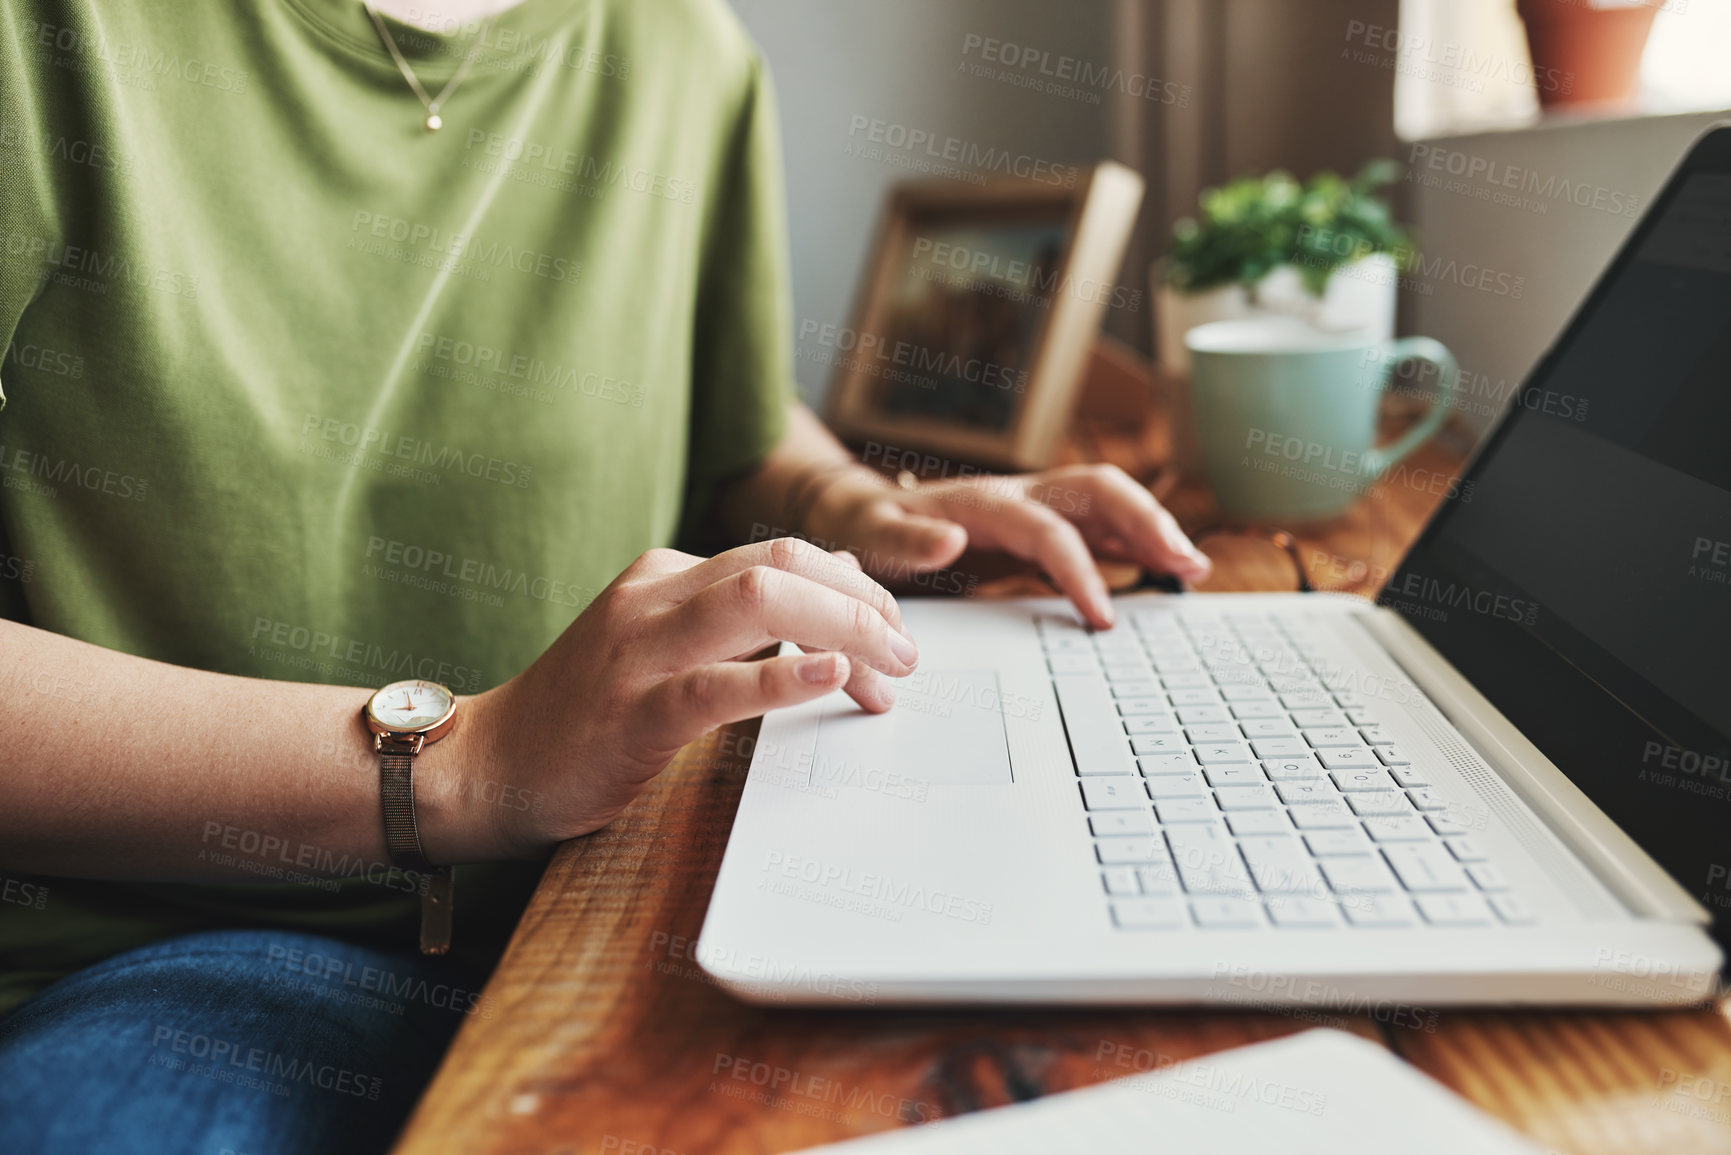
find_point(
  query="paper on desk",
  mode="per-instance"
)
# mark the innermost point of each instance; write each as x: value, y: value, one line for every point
x: 1324, y: 1092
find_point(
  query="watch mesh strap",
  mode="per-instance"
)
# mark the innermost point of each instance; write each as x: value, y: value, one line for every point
x: 397, y: 795
x: 403, y: 842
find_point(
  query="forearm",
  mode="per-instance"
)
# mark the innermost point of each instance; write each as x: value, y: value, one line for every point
x: 114, y: 766
x: 781, y: 492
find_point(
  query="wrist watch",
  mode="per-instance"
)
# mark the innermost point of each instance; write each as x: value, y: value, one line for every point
x: 403, y: 718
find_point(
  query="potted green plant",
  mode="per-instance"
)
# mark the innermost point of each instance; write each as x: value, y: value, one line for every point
x: 1274, y: 245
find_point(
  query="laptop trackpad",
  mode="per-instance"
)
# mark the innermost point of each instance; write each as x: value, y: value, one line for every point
x: 947, y: 728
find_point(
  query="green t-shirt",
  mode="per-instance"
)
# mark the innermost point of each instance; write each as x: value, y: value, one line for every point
x: 297, y: 389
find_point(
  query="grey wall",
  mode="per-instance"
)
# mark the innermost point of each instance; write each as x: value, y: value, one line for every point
x: 900, y: 61
x: 1556, y: 251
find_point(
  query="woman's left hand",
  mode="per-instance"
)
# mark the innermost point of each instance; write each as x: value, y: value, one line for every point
x: 1061, y: 519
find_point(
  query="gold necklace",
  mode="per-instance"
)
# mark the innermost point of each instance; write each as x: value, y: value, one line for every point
x: 432, y: 103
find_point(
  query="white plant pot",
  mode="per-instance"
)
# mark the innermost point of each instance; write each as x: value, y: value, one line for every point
x: 1361, y: 295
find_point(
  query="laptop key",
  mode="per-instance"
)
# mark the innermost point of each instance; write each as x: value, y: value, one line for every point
x: 1218, y: 732
x: 1425, y: 798
x: 1226, y: 912
x: 1408, y: 776
x: 1333, y: 737
x: 1465, y: 849
x: 1152, y: 724
x: 1357, y: 876
x: 1280, y: 748
x: 1358, y: 780
x: 1454, y: 910
x: 1079, y: 662
x: 1126, y: 687
x: 1189, y: 785
x: 1322, y: 816
x: 1235, y: 774
x: 1375, y: 735
x: 1392, y: 756
x: 1291, y: 769
x: 1388, y: 910
x: 1244, y: 798
x: 1148, y: 914
x: 1246, y: 694
x: 1379, y: 802
x: 1352, y: 758
x: 1214, y: 753
x: 1119, y: 880
x: 1279, y: 864
x: 1425, y: 867
x: 1318, y: 719
x: 1445, y: 825
x: 1121, y: 823
x: 1513, y: 910
x: 1172, y: 810
x: 1314, y: 790
x: 1176, y: 763
x: 1336, y: 843
x: 1158, y: 877
x: 1096, y: 742
x: 1114, y: 794
x: 1400, y: 828
x: 1193, y: 715
x: 1296, y: 912
x: 1245, y: 822
x: 1487, y: 877
x: 1258, y: 708
x: 1161, y: 744
x: 1130, y: 707
x: 1268, y: 728
x: 1117, y: 851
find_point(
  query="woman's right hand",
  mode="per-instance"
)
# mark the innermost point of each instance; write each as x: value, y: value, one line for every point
x: 654, y: 662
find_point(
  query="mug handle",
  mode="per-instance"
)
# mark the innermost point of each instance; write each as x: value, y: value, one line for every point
x: 1378, y: 460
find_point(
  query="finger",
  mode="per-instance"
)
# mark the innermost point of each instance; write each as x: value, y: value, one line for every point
x: 895, y: 537
x: 1036, y: 533
x: 696, y: 701
x: 748, y: 610
x: 870, y: 689
x: 1149, y: 533
x: 795, y: 557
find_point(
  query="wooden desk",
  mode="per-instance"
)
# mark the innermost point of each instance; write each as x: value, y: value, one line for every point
x: 607, y: 1034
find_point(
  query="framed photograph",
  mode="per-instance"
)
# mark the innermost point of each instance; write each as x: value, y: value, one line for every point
x: 978, y: 310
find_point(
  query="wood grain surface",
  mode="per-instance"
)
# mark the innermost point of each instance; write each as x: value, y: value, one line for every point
x: 608, y: 1038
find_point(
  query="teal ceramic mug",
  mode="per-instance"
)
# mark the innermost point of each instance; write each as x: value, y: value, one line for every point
x: 1286, y: 414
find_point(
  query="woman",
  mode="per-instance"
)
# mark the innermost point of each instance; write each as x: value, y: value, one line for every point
x: 352, y: 346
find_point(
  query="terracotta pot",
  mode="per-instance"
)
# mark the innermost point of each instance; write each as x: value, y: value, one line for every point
x: 1585, y: 55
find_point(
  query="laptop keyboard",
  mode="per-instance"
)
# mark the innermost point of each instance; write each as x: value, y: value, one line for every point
x: 1228, y: 784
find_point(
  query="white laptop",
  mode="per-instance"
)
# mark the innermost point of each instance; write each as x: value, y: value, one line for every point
x: 1508, y: 782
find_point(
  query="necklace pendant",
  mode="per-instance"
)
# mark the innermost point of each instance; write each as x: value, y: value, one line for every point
x: 434, y: 124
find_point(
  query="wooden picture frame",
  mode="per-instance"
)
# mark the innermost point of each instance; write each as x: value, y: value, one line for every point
x: 977, y: 313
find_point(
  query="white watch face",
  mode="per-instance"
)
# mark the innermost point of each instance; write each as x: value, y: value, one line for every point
x: 411, y: 705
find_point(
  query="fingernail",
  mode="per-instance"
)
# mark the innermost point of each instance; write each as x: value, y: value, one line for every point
x: 903, y: 648
x: 817, y: 669
x: 1104, y: 611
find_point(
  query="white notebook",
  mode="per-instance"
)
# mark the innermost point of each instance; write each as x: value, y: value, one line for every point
x: 1322, y: 1092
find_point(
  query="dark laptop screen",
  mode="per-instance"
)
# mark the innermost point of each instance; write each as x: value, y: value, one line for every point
x: 1585, y: 585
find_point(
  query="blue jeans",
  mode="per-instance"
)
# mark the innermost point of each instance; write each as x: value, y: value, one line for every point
x: 241, y: 1042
